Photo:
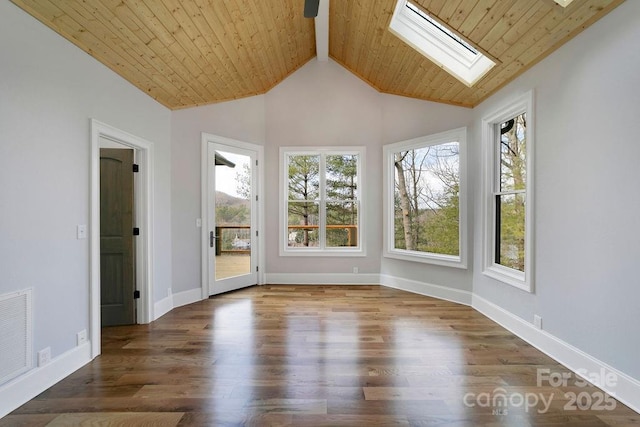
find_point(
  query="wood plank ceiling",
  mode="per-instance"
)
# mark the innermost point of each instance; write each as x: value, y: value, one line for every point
x: 185, y: 53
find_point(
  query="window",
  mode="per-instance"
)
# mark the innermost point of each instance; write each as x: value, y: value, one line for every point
x: 424, y: 199
x: 438, y: 43
x: 508, y: 142
x: 322, y: 201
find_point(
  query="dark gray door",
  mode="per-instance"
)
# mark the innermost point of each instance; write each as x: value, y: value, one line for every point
x: 117, y: 282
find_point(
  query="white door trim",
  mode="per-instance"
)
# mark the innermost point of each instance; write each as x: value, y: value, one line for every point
x: 143, y: 203
x: 204, y: 202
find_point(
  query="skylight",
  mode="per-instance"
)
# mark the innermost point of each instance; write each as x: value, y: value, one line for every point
x: 438, y: 43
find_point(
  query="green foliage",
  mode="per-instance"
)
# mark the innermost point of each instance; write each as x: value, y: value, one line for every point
x: 510, y: 205
x: 304, y: 177
x: 511, y: 246
x: 340, y: 196
x: 342, y: 184
x: 441, y: 228
x: 304, y: 184
x: 426, y: 201
x: 231, y: 214
x: 342, y: 176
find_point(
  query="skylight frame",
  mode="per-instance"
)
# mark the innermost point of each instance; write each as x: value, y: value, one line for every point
x: 438, y: 43
x: 442, y: 29
x: 563, y: 3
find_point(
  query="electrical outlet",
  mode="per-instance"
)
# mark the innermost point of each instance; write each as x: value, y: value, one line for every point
x: 537, y: 321
x: 44, y: 356
x: 81, y: 337
x: 355, y: 270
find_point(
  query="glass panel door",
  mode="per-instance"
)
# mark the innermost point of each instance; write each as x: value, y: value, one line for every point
x: 232, y: 213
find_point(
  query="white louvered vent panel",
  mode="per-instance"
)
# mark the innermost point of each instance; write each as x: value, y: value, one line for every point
x: 15, y: 334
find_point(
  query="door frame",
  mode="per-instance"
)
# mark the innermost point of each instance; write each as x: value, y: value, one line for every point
x: 206, y: 169
x: 143, y: 219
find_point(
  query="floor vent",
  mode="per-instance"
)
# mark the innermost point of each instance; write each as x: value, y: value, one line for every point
x: 16, y: 338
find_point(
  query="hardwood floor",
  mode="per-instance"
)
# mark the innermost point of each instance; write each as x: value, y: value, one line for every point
x: 319, y: 356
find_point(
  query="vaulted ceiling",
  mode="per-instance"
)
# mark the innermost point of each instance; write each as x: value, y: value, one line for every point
x: 185, y: 53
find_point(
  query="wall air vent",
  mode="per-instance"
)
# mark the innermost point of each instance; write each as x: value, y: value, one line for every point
x: 16, y: 337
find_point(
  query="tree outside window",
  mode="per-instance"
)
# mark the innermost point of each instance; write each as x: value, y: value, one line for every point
x: 508, y: 139
x: 424, y: 186
x: 322, y: 200
x: 510, y: 197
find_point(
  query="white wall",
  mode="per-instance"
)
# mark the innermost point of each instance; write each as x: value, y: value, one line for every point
x: 586, y: 193
x: 403, y: 119
x: 323, y: 104
x: 49, y: 89
x: 320, y: 104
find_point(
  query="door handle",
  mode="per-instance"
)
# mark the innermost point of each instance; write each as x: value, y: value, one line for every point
x: 211, y: 239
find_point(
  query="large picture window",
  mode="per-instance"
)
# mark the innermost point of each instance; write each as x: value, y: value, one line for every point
x: 322, y: 201
x: 424, y: 199
x: 508, y: 143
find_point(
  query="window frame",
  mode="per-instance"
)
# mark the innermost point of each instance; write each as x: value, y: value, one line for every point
x: 490, y: 133
x: 458, y: 135
x: 284, y: 249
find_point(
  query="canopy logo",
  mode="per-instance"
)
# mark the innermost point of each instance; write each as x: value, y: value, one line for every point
x: 500, y: 400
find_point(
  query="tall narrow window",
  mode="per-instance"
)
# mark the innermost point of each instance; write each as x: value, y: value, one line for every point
x: 424, y: 199
x: 508, y: 228
x: 510, y: 193
x: 322, y: 201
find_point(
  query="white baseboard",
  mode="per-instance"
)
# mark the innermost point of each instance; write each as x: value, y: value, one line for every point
x: 625, y: 388
x: 20, y: 390
x: 321, y: 279
x: 162, y: 307
x: 172, y: 301
x: 427, y: 289
x: 187, y: 297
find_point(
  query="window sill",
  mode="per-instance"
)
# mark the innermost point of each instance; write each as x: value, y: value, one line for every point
x: 323, y: 252
x: 427, y: 258
x: 509, y: 276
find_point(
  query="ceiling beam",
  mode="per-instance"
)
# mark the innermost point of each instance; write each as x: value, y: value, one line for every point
x: 322, y: 31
